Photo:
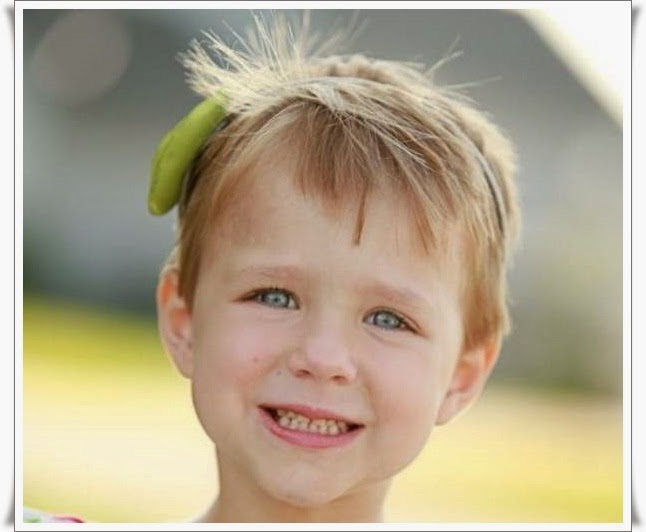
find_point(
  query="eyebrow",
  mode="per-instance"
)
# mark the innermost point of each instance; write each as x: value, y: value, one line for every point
x: 271, y: 272
x: 401, y: 295
x: 393, y: 294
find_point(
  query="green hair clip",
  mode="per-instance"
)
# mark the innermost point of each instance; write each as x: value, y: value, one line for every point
x: 178, y: 148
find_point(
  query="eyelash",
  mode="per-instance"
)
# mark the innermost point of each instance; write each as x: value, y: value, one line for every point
x: 404, y: 324
x: 256, y: 294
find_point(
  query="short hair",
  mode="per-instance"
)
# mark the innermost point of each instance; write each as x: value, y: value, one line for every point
x: 355, y: 124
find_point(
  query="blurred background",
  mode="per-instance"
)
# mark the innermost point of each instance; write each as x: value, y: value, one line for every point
x: 109, y: 431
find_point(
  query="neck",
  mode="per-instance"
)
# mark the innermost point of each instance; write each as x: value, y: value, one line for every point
x: 239, y: 502
x: 224, y: 510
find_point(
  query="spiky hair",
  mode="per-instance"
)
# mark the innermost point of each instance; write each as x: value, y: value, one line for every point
x: 357, y: 124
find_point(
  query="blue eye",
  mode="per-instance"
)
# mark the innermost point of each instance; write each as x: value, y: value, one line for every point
x: 385, y: 319
x: 275, y: 297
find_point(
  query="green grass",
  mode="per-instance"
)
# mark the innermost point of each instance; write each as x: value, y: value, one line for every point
x: 110, y: 435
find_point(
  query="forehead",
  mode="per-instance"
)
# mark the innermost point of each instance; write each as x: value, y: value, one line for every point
x: 269, y: 203
x: 275, y: 234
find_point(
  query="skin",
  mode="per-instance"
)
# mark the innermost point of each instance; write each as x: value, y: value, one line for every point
x: 288, y: 309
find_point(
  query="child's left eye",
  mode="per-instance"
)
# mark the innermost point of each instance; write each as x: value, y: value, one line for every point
x: 386, y: 319
x: 274, y: 297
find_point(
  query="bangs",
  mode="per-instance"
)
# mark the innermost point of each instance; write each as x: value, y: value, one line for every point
x: 344, y: 140
x: 347, y: 127
x: 341, y: 159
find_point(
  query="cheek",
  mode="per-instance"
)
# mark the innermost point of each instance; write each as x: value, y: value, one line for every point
x: 407, y: 394
x: 410, y: 390
x: 419, y: 379
x: 232, y: 359
x: 236, y: 352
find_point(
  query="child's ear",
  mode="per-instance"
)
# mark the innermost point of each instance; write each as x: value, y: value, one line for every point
x: 174, y: 322
x: 469, y: 377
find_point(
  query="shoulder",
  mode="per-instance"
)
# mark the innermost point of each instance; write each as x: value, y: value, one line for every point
x: 30, y: 515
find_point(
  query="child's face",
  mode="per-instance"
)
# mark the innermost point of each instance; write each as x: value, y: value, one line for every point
x: 289, y: 313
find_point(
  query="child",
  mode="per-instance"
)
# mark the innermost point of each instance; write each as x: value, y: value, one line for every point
x: 338, y: 286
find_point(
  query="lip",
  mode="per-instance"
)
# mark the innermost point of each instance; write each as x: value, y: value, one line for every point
x: 308, y: 440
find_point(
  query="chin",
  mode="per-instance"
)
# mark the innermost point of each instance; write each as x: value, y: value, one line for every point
x: 307, y: 496
x: 305, y: 493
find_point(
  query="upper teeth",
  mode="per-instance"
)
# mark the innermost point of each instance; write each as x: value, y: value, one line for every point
x: 294, y: 421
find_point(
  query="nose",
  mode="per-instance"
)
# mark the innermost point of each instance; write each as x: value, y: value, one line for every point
x: 325, y: 351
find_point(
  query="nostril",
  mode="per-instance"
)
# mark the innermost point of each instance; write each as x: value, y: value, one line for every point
x: 325, y: 364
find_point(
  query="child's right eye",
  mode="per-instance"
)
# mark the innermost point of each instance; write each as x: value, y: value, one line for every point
x: 274, y: 297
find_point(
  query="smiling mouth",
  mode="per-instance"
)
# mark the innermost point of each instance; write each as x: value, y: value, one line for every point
x: 296, y: 421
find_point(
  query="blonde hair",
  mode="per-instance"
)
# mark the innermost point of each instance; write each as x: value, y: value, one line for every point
x: 387, y: 125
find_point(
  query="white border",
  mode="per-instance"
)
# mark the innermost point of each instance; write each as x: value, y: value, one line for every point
x: 20, y: 6
x: 332, y: 4
x: 7, y: 232
x: 18, y: 494
x: 638, y: 218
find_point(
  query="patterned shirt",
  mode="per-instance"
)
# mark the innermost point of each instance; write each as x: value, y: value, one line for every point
x: 30, y: 515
